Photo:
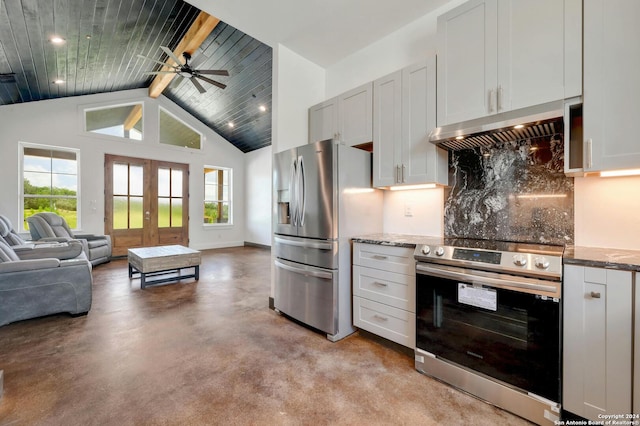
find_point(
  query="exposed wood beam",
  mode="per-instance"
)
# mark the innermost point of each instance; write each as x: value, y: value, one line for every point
x: 134, y: 116
x: 195, y: 36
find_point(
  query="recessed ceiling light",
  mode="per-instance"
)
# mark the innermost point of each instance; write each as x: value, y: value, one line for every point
x: 262, y: 108
x: 230, y: 124
x: 56, y: 40
x: 58, y: 81
x: 518, y: 126
x: 459, y: 137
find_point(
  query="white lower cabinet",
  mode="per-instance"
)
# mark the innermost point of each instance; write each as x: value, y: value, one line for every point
x: 384, y: 289
x: 597, y: 341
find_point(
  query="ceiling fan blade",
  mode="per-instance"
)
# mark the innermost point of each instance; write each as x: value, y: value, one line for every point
x: 208, y: 80
x: 171, y: 54
x: 157, y: 62
x: 213, y: 72
x: 176, y: 81
x: 158, y: 72
x: 198, y: 85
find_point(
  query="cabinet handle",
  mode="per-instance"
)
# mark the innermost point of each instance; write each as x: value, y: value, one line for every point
x: 491, y: 100
x: 380, y: 284
x: 588, y: 153
x: 380, y: 257
x: 499, y: 99
x: 380, y: 317
x: 595, y: 295
x: 397, y: 174
x: 403, y: 169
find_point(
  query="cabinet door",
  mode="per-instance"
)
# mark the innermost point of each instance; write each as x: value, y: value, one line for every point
x: 323, y: 121
x: 356, y: 115
x: 611, y: 84
x: 467, y: 61
x: 422, y: 162
x: 387, y: 131
x: 530, y: 53
x: 597, y: 321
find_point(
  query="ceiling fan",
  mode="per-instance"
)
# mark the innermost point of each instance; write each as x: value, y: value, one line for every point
x: 186, y: 71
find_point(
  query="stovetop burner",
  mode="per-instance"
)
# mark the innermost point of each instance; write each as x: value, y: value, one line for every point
x: 534, y: 260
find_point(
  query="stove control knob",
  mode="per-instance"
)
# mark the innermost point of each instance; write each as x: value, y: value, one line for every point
x: 425, y: 250
x: 541, y: 263
x: 519, y: 260
x: 439, y: 251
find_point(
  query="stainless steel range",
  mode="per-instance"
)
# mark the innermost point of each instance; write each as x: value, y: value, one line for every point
x: 488, y: 321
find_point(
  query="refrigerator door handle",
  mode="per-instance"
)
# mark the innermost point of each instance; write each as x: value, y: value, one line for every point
x: 305, y: 271
x: 306, y: 244
x: 293, y: 187
x: 302, y: 191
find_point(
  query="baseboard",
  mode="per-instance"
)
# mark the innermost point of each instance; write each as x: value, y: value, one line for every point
x: 263, y: 246
x: 272, y: 305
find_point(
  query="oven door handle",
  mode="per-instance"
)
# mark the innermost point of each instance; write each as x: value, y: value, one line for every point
x: 475, y: 279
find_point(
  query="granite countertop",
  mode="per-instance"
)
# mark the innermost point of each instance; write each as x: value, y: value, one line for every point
x: 398, y: 240
x: 623, y: 259
x: 627, y: 260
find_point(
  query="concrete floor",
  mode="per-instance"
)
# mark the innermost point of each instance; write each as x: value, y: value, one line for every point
x: 212, y: 352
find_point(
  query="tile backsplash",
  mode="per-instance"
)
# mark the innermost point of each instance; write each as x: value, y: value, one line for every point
x: 511, y: 191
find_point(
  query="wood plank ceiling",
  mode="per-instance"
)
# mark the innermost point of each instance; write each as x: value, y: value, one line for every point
x: 102, y: 39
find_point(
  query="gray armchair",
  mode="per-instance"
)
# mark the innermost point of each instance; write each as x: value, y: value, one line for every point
x: 37, y: 287
x: 49, y: 225
x: 40, y: 249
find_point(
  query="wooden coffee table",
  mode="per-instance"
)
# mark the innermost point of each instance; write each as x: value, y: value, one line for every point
x: 163, y: 260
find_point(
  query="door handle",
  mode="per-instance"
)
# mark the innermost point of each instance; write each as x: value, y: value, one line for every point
x: 595, y: 295
x: 147, y: 215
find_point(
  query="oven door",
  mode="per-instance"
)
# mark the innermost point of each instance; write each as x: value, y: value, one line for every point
x: 506, y: 327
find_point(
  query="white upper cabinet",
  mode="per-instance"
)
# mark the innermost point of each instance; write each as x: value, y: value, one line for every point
x: 347, y: 117
x: 611, y: 84
x: 500, y: 55
x: 404, y: 115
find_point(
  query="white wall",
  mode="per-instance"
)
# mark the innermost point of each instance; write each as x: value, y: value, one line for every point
x: 297, y: 84
x: 417, y: 212
x: 607, y: 212
x: 257, y: 171
x: 59, y: 123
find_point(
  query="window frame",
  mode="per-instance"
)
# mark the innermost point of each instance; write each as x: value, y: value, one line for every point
x: 96, y: 107
x: 161, y: 110
x: 22, y: 146
x: 229, y: 170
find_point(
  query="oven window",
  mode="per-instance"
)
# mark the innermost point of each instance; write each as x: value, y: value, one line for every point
x: 518, y: 342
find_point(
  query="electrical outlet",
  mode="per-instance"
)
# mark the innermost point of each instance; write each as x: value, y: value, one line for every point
x: 408, y: 210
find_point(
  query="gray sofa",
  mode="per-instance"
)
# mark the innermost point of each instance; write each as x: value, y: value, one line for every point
x: 60, y: 248
x: 36, y: 287
x: 47, y: 226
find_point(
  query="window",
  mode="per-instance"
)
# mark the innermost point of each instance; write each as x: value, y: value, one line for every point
x: 50, y: 182
x: 175, y: 132
x: 124, y: 121
x: 217, y: 195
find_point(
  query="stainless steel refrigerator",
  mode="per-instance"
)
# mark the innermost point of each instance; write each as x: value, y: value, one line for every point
x: 322, y: 198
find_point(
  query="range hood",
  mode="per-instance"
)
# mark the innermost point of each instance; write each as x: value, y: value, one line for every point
x: 539, y: 121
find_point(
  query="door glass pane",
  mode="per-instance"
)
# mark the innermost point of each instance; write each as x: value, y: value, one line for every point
x: 136, y: 180
x: 120, y: 183
x: 136, y: 216
x: 176, y: 183
x: 164, y: 189
x: 176, y: 212
x: 120, y: 217
x: 164, y: 213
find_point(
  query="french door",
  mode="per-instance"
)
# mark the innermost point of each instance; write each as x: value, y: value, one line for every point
x: 146, y: 203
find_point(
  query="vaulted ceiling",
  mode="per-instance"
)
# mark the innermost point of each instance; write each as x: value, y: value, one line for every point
x: 99, y: 53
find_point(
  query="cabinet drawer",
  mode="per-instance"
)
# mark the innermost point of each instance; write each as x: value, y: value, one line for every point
x: 391, y: 323
x: 387, y: 258
x: 389, y: 288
